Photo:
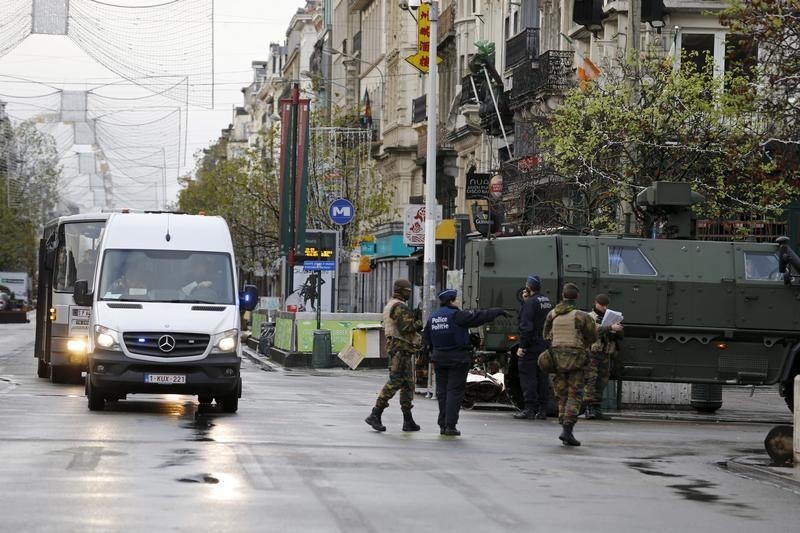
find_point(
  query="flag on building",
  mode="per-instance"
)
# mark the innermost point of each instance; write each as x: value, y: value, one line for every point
x: 587, y: 71
x: 366, y: 117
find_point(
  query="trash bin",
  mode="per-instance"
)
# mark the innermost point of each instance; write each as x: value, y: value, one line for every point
x: 706, y: 397
x: 321, y: 349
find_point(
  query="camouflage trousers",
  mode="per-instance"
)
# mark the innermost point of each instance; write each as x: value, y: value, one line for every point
x: 568, y: 389
x: 401, y: 377
x: 597, y: 371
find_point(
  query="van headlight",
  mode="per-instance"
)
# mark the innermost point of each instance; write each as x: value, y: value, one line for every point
x: 226, y: 341
x: 106, y: 338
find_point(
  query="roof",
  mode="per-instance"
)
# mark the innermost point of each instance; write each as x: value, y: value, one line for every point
x: 167, y: 231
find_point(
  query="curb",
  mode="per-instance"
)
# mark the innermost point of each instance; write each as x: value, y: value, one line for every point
x: 755, y: 418
x: 260, y: 360
x: 786, y: 478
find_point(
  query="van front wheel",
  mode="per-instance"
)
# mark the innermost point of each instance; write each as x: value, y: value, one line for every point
x: 230, y: 402
x: 97, y: 402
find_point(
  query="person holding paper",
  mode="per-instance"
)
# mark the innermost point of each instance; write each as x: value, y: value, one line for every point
x: 601, y: 353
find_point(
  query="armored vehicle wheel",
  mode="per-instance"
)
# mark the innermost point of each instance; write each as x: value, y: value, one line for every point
x: 42, y: 370
x: 706, y: 397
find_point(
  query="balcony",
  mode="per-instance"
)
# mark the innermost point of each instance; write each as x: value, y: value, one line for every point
x: 447, y: 24
x: 522, y: 47
x: 359, y: 5
x: 554, y: 75
x: 356, y: 44
x: 469, y: 94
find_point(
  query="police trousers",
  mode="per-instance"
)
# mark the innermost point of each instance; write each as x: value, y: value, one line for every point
x: 451, y: 382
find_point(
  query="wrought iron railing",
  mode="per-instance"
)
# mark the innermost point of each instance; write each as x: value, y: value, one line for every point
x: 522, y: 47
x: 470, y: 95
x: 554, y: 74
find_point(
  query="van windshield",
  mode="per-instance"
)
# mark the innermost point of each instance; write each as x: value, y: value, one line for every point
x: 166, y: 276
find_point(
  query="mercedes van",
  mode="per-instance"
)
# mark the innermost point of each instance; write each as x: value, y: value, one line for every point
x: 164, y: 310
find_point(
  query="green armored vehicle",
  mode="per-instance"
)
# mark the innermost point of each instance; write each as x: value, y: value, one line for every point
x: 695, y: 311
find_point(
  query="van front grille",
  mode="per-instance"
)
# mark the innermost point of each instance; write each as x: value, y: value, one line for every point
x: 165, y: 344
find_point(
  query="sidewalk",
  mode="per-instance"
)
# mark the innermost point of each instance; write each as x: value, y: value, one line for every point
x: 751, y: 405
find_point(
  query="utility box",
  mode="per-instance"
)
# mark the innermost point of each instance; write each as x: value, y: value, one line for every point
x: 369, y: 340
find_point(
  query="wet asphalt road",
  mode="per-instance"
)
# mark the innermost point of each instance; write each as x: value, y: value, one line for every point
x: 298, y: 457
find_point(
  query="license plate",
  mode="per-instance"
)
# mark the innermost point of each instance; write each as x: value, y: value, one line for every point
x: 165, y: 379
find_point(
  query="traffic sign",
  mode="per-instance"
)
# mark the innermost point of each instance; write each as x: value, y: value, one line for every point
x: 341, y: 211
x: 319, y: 265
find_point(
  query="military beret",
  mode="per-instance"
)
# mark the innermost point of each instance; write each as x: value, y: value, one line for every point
x: 447, y: 295
x: 534, y: 281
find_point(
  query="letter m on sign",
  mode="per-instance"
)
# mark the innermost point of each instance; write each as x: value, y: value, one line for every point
x: 341, y: 211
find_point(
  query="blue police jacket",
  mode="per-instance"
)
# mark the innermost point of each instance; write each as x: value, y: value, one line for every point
x: 447, y: 332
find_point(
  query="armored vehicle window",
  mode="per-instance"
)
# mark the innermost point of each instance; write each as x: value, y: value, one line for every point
x: 761, y: 266
x: 628, y: 261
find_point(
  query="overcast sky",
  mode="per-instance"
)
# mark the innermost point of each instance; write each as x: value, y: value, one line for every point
x: 243, y: 31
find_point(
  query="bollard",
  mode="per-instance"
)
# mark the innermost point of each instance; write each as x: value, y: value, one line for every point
x: 796, y: 443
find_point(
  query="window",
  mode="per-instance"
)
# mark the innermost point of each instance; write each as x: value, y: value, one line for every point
x: 166, y: 276
x: 75, y: 258
x: 698, y: 48
x: 761, y: 266
x: 629, y: 262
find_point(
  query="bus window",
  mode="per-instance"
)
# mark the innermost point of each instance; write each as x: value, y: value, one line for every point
x: 77, y: 254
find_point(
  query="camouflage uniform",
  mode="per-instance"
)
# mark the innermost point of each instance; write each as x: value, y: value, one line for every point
x: 570, y: 333
x: 601, y: 354
x: 402, y: 329
x: 401, y: 351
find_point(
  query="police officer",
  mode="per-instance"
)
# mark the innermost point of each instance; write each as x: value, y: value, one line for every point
x: 570, y: 332
x: 447, y: 335
x: 535, y: 382
x: 601, y: 354
x: 402, y: 341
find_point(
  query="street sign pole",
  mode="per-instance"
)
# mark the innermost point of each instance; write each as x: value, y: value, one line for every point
x: 429, y: 273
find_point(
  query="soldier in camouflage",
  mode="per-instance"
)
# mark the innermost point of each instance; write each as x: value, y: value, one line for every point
x: 402, y: 327
x: 601, y: 354
x: 571, y: 332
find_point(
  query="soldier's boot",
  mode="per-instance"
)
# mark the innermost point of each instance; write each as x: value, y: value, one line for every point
x: 408, y: 422
x: 374, y: 419
x: 599, y: 414
x: 541, y: 414
x: 525, y: 414
x: 566, y: 435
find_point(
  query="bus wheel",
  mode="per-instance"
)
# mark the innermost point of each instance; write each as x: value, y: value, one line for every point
x: 42, y: 369
x: 97, y: 401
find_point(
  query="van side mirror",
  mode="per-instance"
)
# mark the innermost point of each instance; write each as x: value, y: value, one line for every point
x: 248, y: 298
x: 81, y: 294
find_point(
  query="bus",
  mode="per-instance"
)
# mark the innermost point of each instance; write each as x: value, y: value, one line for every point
x: 67, y: 253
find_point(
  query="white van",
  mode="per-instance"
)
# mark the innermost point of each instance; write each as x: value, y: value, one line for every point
x: 165, y: 310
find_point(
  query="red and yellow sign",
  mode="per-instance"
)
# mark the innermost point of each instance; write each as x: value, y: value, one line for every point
x: 421, y: 60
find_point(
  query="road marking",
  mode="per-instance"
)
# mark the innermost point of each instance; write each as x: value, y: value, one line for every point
x: 85, y: 458
x: 253, y: 468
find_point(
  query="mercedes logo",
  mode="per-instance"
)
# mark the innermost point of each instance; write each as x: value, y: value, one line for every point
x: 166, y: 343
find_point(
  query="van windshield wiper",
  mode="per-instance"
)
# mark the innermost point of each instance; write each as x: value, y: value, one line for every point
x: 190, y: 302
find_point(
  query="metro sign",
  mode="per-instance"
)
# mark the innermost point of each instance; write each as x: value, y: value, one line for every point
x: 421, y: 60
x: 341, y: 211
